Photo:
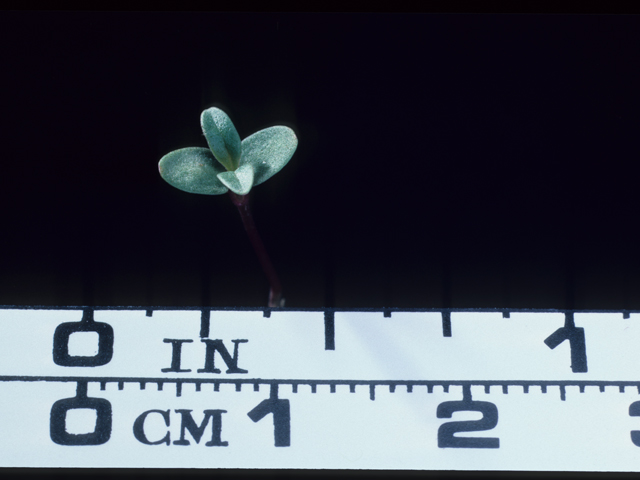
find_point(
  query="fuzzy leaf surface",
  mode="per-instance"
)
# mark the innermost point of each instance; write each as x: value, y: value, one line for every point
x: 192, y: 170
x: 222, y: 137
x: 268, y: 151
x: 238, y: 181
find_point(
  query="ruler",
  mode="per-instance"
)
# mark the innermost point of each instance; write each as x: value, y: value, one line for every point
x: 535, y: 390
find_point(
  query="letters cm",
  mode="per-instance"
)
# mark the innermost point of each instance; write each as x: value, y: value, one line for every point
x: 187, y: 423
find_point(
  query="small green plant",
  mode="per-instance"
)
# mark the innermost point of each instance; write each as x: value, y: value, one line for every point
x: 234, y: 166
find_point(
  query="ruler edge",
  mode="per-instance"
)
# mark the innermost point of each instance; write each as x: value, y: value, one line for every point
x: 268, y: 310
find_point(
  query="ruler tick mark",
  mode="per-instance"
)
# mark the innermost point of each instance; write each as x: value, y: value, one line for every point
x: 205, y: 321
x: 446, y: 324
x: 329, y: 330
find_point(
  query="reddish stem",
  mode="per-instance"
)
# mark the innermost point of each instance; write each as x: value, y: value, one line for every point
x: 275, y: 290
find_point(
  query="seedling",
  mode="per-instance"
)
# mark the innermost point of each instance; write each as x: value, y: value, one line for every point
x: 234, y: 166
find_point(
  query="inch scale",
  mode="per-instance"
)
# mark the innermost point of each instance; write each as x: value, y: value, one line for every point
x: 447, y: 389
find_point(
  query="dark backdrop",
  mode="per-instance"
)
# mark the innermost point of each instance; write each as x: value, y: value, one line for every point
x: 443, y: 160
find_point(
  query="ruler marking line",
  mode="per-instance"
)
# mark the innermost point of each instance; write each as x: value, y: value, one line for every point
x: 205, y: 322
x: 333, y: 383
x: 446, y: 324
x: 329, y: 330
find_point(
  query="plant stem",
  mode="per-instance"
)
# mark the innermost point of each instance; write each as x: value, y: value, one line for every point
x: 275, y: 290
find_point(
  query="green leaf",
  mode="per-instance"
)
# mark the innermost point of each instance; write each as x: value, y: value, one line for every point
x: 239, y: 181
x: 222, y: 137
x: 193, y: 170
x: 268, y: 151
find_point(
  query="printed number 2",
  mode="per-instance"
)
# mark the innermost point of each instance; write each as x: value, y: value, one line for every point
x: 634, y: 411
x: 489, y: 420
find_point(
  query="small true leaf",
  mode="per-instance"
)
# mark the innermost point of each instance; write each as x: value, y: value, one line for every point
x: 238, y: 181
x: 222, y: 137
x: 268, y: 150
x: 193, y: 170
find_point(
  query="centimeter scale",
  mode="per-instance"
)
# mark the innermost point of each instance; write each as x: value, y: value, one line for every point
x: 341, y: 389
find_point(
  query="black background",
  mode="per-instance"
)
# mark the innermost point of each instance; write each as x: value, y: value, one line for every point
x: 444, y: 160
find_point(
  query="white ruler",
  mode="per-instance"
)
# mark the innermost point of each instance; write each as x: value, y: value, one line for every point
x: 384, y: 389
